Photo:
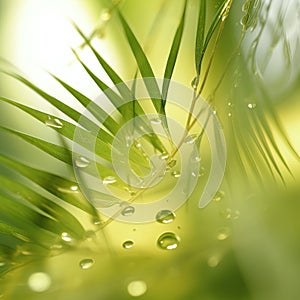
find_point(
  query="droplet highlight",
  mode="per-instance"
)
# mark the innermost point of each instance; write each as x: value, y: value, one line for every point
x: 223, y: 234
x: 168, y: 241
x: 176, y: 174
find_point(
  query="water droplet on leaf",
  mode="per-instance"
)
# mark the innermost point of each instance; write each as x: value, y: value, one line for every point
x: 66, y: 237
x: 218, y: 196
x: 168, y: 241
x: 105, y: 15
x: 109, y: 180
x: 190, y: 139
x: 54, y: 123
x: 155, y: 121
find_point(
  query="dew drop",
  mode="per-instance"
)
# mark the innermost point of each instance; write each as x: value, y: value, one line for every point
x: 190, y: 139
x: 164, y: 156
x: 229, y: 114
x: 105, y: 15
x: 168, y: 241
x: 39, y: 282
x: 109, y: 180
x: 165, y: 216
x: 127, y: 244
x: 128, y: 211
x: 137, y: 288
x: 81, y: 162
x: 176, y: 174
x: 86, y: 263
x: 251, y: 105
x: 66, y: 237
x: 195, y: 82
x: 54, y: 123
x: 155, y: 121
x: 218, y: 196
x: 223, y: 234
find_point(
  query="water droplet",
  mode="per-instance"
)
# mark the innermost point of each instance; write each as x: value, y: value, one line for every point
x: 164, y: 156
x: 66, y: 237
x: 109, y: 180
x: 214, y: 112
x: 226, y: 213
x: 168, y: 241
x: 70, y: 189
x: 128, y: 211
x: 195, y: 82
x: 165, y: 216
x: 128, y: 190
x: 246, y: 6
x: 213, y: 261
x: 128, y: 244
x: 54, y: 123
x: 39, y: 282
x: 137, y: 288
x: 86, y: 263
x: 138, y: 145
x: 251, y: 105
x: 176, y: 174
x: 218, y: 196
x: 196, y: 159
x: 155, y: 121
x: 229, y: 114
x: 223, y: 234
x: 81, y: 162
x: 190, y: 139
x: 105, y: 15
x: 128, y: 140
x: 2, y: 264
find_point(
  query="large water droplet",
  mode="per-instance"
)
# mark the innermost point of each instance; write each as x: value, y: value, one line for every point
x: 165, y: 216
x: 109, y: 180
x: 168, y: 241
x: 54, y: 123
x: 223, y: 234
x: 190, y: 139
x: 128, y: 211
x: 86, y: 263
x: 39, y: 282
x: 128, y: 244
x: 81, y: 162
x: 66, y: 237
x: 137, y: 288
